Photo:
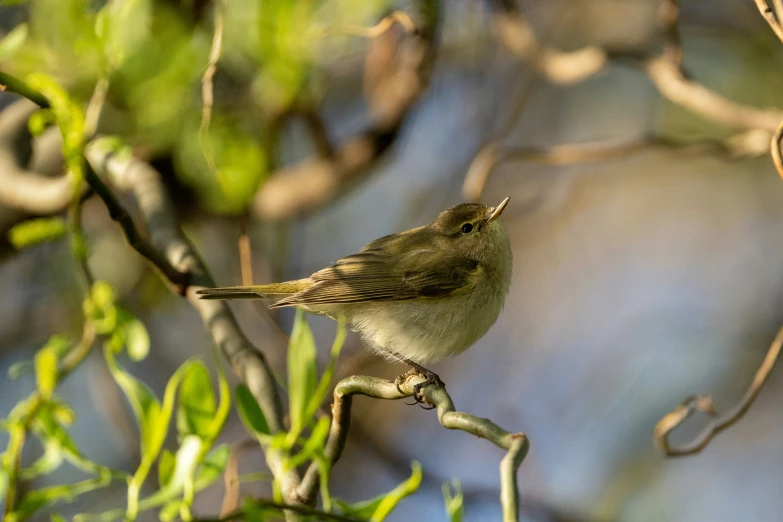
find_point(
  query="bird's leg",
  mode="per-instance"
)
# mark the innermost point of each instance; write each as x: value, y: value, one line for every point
x: 417, y: 369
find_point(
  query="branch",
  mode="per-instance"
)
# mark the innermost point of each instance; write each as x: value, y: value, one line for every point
x: 704, y: 403
x: 493, y: 154
x: 770, y: 17
x: 397, y: 72
x: 516, y: 444
x: 665, y: 71
x: 302, y: 510
x: 775, y: 145
x: 22, y: 189
x: 138, y: 178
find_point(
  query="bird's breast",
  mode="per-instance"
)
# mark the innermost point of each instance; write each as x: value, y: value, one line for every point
x: 425, y: 330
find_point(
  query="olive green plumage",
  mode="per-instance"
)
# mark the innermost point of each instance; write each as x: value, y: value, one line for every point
x: 419, y: 295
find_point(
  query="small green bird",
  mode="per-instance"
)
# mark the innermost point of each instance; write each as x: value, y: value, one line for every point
x: 416, y: 296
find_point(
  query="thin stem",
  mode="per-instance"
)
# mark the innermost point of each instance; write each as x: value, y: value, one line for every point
x: 702, y: 403
x: 516, y: 444
x: 299, y: 509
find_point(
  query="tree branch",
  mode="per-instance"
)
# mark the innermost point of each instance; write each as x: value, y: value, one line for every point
x: 704, y: 404
x: 769, y: 15
x: 22, y: 189
x: 397, y: 72
x: 516, y: 444
x: 138, y: 178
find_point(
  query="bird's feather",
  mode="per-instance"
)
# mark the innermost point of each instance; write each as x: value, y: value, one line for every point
x: 373, y: 275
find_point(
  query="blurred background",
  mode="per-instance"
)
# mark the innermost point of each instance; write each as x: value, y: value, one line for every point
x: 646, y: 260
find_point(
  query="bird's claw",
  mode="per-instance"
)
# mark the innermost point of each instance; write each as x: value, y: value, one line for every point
x: 418, y: 388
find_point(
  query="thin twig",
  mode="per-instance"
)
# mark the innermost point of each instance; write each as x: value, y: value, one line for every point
x: 94, y: 108
x: 397, y: 73
x: 769, y: 15
x: 20, y: 188
x: 704, y: 404
x: 231, y: 485
x: 13, y: 84
x: 302, y: 510
x: 245, y: 252
x: 493, y: 154
x: 138, y: 178
x: 516, y: 444
x: 400, y: 17
x: 207, y: 80
x: 774, y: 146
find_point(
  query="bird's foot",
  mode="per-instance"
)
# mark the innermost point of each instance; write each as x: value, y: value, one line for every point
x: 418, y: 388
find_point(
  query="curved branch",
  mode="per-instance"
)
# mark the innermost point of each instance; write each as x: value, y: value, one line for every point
x: 23, y: 189
x: 770, y: 17
x: 664, y: 71
x: 704, y: 403
x: 138, y: 178
x: 775, y: 144
x: 397, y: 72
x: 516, y: 444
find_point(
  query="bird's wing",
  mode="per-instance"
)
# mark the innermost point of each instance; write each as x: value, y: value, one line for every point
x: 374, y: 276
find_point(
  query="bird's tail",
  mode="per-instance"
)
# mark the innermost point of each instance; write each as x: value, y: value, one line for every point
x: 274, y: 290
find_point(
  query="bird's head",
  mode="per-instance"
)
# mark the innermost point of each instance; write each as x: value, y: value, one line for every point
x: 475, y: 230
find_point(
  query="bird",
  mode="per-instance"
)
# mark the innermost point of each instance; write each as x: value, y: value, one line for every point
x: 414, y: 297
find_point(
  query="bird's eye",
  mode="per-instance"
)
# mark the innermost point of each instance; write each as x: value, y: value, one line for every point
x: 467, y: 228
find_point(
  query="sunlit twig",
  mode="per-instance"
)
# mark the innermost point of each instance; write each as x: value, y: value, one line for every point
x: 704, y: 404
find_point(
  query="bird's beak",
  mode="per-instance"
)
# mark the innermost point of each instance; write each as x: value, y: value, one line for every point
x: 499, y: 209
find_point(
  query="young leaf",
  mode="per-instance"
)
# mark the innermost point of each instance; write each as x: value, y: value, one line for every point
x: 250, y: 412
x: 46, y: 371
x: 36, y: 231
x: 13, y: 41
x: 394, y: 497
x: 145, y: 406
x: 378, y: 508
x: 123, y: 26
x: 196, y: 402
x: 326, y: 379
x: 314, y: 444
x: 137, y: 340
x: 165, y: 467
x: 301, y: 371
x: 20, y: 368
x: 41, y: 498
x: 100, y: 309
x: 454, y: 501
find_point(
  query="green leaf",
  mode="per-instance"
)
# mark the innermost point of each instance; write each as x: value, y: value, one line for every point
x: 46, y: 371
x: 250, y: 412
x: 145, y: 406
x: 99, y: 307
x: 196, y: 402
x: 123, y: 26
x: 39, y: 121
x: 378, y: 508
x: 186, y: 461
x: 36, y: 231
x: 326, y: 379
x: 13, y: 41
x: 169, y: 511
x: 252, y: 512
x: 452, y: 497
x: 40, y: 498
x: 137, y: 340
x: 301, y: 372
x: 394, y: 497
x: 165, y: 467
x: 45, y: 464
x: 313, y: 445
x: 20, y: 368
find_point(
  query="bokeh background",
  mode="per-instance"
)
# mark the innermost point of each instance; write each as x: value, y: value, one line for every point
x: 639, y: 278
